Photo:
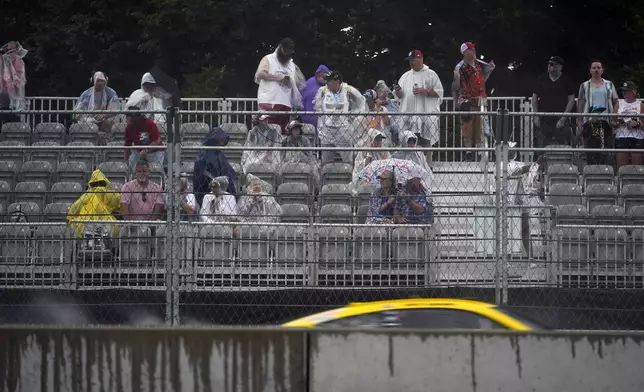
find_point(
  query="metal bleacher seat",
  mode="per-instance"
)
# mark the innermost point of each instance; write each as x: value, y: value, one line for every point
x: 236, y: 131
x: 72, y: 171
x: 66, y: 192
x: 570, y: 214
x: 31, y: 191
x: 561, y: 194
x: 115, y: 171
x: 309, y: 131
x: 632, y: 195
x: 135, y: 245
x: 608, y: 215
x: 264, y: 172
x: 37, y: 171
x: 8, y: 172
x: 335, y: 194
x: 52, y: 156
x: 364, y: 194
x: 371, y: 245
x: 118, y: 132
x: 53, y: 245
x: 196, y: 131
x: 295, y: 213
x: 293, y: 192
x: 16, y: 131
x: 297, y: 172
x: 157, y: 174
x: 555, y: 157
x: 290, y: 247
x: 562, y: 174
x: 56, y: 212
x: 600, y: 194
x: 6, y: 193
x: 112, y: 155
x: 254, y: 243
x: 189, y: 151
x: 638, y: 251
x: 82, y: 154
x: 573, y: 251
x: 334, y: 250
x: 50, y: 132
x: 630, y: 174
x: 636, y: 215
x: 598, y: 174
x: 336, y: 213
x: 610, y: 252
x: 83, y: 132
x: 337, y: 173
x: 409, y: 250
x: 233, y: 155
x: 15, y: 245
x: 16, y: 154
x: 214, y: 245
x: 362, y: 214
x: 30, y: 209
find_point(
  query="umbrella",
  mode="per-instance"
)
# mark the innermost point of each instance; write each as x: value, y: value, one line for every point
x: 168, y: 84
x: 403, y: 170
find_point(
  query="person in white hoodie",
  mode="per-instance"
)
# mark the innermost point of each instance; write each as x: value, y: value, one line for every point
x: 420, y: 91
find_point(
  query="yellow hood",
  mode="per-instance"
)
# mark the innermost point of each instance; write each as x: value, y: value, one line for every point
x: 98, y: 176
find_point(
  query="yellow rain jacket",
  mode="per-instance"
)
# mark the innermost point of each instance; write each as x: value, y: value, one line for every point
x: 98, y: 203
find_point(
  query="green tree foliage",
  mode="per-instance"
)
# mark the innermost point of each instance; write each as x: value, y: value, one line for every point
x: 213, y: 46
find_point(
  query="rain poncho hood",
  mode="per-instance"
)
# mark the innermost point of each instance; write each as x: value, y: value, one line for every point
x: 262, y: 135
x: 211, y: 164
x: 221, y: 181
x: 364, y: 158
x: 98, y: 203
x: 13, y: 75
x: 87, y: 101
x: 308, y: 94
x: 252, y: 210
x: 409, y: 154
x: 152, y: 101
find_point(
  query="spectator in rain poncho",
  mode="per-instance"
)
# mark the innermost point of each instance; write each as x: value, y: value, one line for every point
x: 218, y: 205
x: 13, y: 74
x: 187, y: 201
x: 149, y: 98
x: 364, y: 158
x: 296, y: 139
x: 409, y: 141
x: 262, y: 135
x: 212, y: 163
x: 387, y: 100
x: 98, y: 203
x: 257, y: 205
x: 380, y: 122
x: 311, y: 88
x: 337, y: 130
x: 98, y: 97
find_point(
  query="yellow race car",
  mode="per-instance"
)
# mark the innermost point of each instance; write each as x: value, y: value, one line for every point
x: 418, y: 313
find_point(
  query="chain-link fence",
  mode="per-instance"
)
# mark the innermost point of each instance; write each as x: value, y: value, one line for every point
x: 262, y: 221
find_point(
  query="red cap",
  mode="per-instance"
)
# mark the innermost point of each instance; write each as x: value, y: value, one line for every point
x: 414, y: 54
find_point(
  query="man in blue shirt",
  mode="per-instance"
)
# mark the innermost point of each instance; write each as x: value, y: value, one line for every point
x: 413, y: 204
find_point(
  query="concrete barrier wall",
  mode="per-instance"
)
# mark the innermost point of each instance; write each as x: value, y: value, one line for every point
x: 382, y: 361
x: 267, y: 360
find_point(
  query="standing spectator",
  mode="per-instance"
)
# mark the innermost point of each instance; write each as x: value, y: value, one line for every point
x: 311, y: 88
x: 149, y: 98
x: 469, y: 93
x: 596, y: 92
x: 13, y: 74
x: 335, y: 128
x: 262, y: 135
x: 629, y: 131
x: 414, y: 205
x: 142, y: 131
x: 553, y: 92
x: 211, y: 164
x: 596, y: 133
x: 380, y: 121
x: 280, y: 82
x: 218, y: 205
x: 388, y: 100
x: 99, y: 97
x: 420, y: 91
x: 142, y: 199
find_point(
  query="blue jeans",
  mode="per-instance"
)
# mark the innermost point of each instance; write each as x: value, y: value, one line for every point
x: 151, y: 157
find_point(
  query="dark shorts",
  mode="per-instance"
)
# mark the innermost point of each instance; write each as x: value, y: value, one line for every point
x: 629, y: 143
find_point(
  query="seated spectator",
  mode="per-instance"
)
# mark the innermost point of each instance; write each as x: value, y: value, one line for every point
x: 597, y: 133
x: 364, y: 158
x: 211, y: 164
x: 257, y: 205
x: 414, y: 204
x: 262, y: 135
x: 294, y: 138
x: 98, y: 203
x: 409, y: 141
x: 98, y: 97
x: 382, y: 204
x: 142, y: 199
x: 219, y: 205
x: 187, y: 201
x: 141, y: 131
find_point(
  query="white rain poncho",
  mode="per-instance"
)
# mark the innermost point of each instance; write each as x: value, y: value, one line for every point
x: 409, y: 154
x: 364, y: 158
x: 149, y: 101
x: 13, y: 74
x: 258, y: 205
x: 220, y: 207
x: 90, y: 99
x: 274, y: 92
x: 262, y: 135
x: 427, y: 126
x: 307, y: 157
x: 338, y: 129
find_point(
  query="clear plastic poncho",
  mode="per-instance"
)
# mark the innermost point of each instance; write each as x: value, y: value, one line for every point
x: 13, y: 74
x: 262, y: 135
x: 150, y: 101
x: 257, y: 205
